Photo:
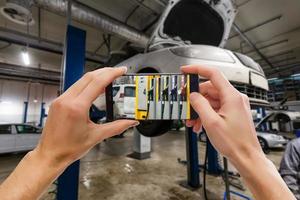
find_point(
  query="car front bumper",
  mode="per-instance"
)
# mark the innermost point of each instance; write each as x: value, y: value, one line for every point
x: 277, y: 143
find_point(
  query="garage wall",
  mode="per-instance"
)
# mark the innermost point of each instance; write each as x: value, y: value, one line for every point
x: 13, y: 94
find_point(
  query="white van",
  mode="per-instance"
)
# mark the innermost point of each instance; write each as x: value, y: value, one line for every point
x: 124, y: 100
x: 18, y: 137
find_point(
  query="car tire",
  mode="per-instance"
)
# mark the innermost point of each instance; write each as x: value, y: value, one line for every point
x: 264, y: 145
x: 153, y: 128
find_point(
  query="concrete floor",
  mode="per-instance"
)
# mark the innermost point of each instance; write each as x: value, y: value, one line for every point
x: 106, y: 172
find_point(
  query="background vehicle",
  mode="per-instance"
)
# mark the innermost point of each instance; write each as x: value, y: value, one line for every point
x: 266, y: 140
x: 280, y: 122
x: 124, y: 100
x: 178, y: 41
x: 269, y: 140
x: 18, y: 137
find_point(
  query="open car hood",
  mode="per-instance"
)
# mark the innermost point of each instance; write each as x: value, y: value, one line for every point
x: 183, y: 22
x: 287, y: 115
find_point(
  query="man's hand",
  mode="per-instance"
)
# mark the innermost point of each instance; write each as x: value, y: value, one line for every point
x: 225, y: 115
x: 69, y: 133
x: 67, y: 136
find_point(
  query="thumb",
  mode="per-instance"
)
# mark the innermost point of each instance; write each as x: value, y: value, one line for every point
x: 204, y: 110
x: 110, y: 129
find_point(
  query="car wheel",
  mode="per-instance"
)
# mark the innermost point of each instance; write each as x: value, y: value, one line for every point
x: 264, y: 145
x: 153, y: 128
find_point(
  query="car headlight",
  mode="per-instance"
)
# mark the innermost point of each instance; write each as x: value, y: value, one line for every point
x: 278, y: 137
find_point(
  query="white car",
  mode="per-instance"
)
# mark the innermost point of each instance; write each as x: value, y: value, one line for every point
x: 269, y: 140
x: 194, y: 32
x: 18, y: 137
x: 124, y: 100
x: 244, y: 73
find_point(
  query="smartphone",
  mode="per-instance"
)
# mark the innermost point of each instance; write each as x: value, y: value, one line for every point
x: 151, y: 97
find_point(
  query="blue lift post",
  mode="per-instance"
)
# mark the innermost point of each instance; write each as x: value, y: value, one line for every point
x: 74, y: 62
x: 213, y: 166
x: 262, y: 112
x: 192, y: 158
x: 25, y: 111
x: 43, y: 114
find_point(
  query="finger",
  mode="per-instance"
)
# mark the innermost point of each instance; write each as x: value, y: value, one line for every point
x: 207, y: 114
x: 215, y: 104
x: 98, y: 84
x: 197, y: 126
x: 110, y: 129
x: 215, y: 76
x: 77, y: 87
x: 207, y: 88
x: 190, y: 122
x: 246, y: 100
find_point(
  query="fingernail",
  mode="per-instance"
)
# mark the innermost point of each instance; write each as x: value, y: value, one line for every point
x: 193, y: 96
x: 136, y: 123
x: 182, y: 68
x: 124, y: 68
x: 188, y: 124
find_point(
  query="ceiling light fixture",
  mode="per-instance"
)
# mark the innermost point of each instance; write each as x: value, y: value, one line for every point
x: 25, y: 56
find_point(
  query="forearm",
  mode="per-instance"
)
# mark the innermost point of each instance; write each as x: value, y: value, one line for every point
x: 30, y: 178
x: 262, y: 177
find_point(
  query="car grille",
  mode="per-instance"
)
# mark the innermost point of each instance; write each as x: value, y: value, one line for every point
x: 251, y: 91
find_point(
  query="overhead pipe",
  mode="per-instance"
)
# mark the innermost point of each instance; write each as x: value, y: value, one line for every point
x: 288, y: 68
x: 277, y: 55
x: 251, y: 44
x: 263, y: 47
x: 28, y: 73
x: 281, y: 61
x: 94, y: 18
x: 20, y: 38
x: 268, y: 45
x: 258, y: 25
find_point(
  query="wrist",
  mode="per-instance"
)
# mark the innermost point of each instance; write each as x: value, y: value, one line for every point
x: 248, y: 163
x: 47, y: 160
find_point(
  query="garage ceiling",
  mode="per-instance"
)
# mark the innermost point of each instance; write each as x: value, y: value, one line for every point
x: 278, y: 40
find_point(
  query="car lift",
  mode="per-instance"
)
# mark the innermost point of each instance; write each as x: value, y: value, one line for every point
x: 150, y: 95
x: 173, y: 94
x: 164, y: 94
x: 74, y: 61
x: 181, y: 96
x: 43, y: 114
x: 67, y: 184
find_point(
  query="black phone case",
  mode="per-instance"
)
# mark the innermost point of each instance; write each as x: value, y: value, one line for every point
x: 194, y: 87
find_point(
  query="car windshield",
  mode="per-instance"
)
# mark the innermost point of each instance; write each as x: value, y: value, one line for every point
x: 115, y: 90
x: 247, y: 61
x: 5, y: 129
x: 26, y: 129
x: 129, y: 91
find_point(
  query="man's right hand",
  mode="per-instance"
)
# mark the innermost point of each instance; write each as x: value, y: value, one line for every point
x: 225, y: 114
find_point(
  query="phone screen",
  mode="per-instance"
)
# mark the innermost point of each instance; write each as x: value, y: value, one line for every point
x: 150, y: 97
